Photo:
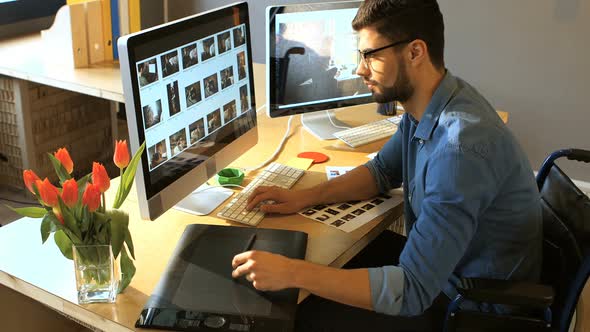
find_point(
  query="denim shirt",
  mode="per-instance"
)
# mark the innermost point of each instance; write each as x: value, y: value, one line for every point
x: 472, y: 207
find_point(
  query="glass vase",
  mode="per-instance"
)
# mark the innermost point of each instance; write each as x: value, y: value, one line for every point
x: 96, y: 279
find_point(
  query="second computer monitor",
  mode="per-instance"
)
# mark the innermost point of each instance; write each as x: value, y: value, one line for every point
x: 312, y: 56
x: 189, y: 94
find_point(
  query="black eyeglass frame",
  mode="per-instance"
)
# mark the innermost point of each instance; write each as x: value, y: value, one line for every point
x: 365, y: 55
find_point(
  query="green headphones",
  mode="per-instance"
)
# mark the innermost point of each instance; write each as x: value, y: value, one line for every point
x: 230, y: 176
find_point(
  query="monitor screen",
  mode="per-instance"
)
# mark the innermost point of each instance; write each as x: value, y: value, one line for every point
x: 189, y: 95
x: 312, y: 56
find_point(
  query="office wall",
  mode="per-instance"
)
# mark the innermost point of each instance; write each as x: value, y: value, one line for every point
x: 530, y: 58
x: 152, y: 13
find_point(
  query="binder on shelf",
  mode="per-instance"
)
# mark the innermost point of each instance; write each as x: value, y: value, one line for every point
x: 107, y: 33
x: 134, y: 16
x: 96, y: 45
x: 115, y: 27
x: 98, y: 27
x: 79, y: 33
x: 123, y: 17
x: 104, y: 22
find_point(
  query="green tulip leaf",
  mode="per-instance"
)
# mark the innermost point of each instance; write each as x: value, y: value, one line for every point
x: 47, y: 226
x: 82, y: 183
x: 127, y: 270
x: 31, y: 211
x: 127, y: 178
x: 69, y: 220
x: 100, y: 218
x: 63, y: 243
x: 102, y: 233
x: 61, y: 172
x: 81, y: 187
x: 36, y: 191
x: 119, y: 223
x: 86, y: 223
x: 129, y: 242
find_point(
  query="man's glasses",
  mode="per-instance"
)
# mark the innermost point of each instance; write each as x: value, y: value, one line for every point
x: 367, y: 55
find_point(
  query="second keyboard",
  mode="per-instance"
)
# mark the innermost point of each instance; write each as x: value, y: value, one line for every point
x: 369, y: 132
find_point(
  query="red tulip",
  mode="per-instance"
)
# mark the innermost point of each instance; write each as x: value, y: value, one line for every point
x: 30, y: 177
x: 48, y: 192
x: 100, y: 177
x: 121, y: 156
x: 69, y: 193
x: 91, y: 197
x: 64, y: 157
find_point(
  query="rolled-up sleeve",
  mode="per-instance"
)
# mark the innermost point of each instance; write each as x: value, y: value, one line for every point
x: 387, y: 289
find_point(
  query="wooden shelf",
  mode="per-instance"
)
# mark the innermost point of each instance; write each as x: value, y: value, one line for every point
x: 22, y: 58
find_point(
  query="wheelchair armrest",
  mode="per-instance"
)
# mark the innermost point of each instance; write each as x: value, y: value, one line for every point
x: 506, y: 292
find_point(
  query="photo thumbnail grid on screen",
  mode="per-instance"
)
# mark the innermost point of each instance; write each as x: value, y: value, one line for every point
x: 189, y: 92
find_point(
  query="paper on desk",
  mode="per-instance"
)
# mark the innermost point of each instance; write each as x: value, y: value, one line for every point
x: 348, y: 216
x: 334, y: 171
x: 301, y: 163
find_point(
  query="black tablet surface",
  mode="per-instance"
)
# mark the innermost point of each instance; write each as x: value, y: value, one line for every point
x: 197, y: 292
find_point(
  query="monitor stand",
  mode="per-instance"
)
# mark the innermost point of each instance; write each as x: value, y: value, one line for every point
x: 319, y: 124
x: 204, y: 200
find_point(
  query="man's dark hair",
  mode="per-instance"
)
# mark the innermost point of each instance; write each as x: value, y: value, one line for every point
x: 406, y: 19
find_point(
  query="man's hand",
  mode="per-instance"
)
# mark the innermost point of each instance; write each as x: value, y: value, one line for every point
x: 266, y: 271
x: 285, y: 201
x: 272, y: 272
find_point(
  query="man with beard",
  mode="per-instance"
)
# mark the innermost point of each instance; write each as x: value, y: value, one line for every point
x: 471, y: 202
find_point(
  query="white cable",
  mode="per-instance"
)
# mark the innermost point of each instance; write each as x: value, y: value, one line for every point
x: 261, y: 107
x: 279, y: 148
x: 332, y: 122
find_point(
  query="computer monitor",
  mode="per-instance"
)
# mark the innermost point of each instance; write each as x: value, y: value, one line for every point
x: 189, y: 94
x: 311, y: 63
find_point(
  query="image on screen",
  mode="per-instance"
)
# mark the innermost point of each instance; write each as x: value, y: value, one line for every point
x: 147, y: 72
x: 190, y: 57
x: 316, y: 67
x: 208, y: 48
x: 189, y: 93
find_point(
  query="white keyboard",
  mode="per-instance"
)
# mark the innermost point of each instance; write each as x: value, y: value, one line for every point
x: 274, y: 174
x: 369, y: 132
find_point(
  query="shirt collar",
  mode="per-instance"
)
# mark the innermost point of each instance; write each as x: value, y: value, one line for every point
x: 442, y: 95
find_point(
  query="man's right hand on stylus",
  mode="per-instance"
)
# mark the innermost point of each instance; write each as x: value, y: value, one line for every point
x: 284, y: 201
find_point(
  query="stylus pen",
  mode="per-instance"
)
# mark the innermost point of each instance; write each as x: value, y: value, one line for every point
x: 250, y: 242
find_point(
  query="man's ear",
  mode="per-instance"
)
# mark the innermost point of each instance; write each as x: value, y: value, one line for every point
x: 417, y: 52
